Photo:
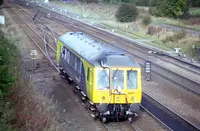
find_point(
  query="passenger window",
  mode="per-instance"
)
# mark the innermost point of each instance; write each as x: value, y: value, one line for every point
x: 76, y: 58
x: 68, y: 56
x: 88, y: 74
x: 78, y: 65
x: 63, y: 52
x: 73, y: 61
x: 71, y: 58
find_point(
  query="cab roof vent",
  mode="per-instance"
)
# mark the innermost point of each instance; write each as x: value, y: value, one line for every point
x: 76, y: 33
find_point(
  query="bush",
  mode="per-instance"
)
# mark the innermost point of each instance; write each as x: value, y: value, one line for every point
x: 178, y: 36
x: 6, y: 116
x: 8, y: 63
x: 8, y: 75
x: 195, y: 3
x: 126, y: 13
x: 169, y: 8
x: 154, y: 30
x: 146, y: 20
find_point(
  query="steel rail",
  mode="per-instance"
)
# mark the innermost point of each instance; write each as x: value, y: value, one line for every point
x: 60, y: 11
x: 46, y: 26
x: 35, y: 32
x: 166, y: 54
x: 170, y: 119
x: 19, y: 20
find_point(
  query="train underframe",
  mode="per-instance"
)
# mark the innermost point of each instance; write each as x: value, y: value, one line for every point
x: 117, y: 112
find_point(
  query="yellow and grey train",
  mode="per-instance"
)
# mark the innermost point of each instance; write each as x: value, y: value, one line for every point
x: 109, y: 81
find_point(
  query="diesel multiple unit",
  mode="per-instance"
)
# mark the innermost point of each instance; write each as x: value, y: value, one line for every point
x: 109, y: 81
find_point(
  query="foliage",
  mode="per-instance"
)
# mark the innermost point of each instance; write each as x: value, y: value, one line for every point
x: 8, y: 75
x: 154, y: 30
x: 178, y: 36
x: 8, y: 63
x: 195, y: 3
x: 1, y: 2
x: 146, y: 20
x: 126, y: 13
x: 6, y: 116
x: 196, y: 49
x: 169, y: 8
x: 194, y: 13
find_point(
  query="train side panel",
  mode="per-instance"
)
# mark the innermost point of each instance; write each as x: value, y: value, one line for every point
x: 89, y: 73
x: 83, y: 76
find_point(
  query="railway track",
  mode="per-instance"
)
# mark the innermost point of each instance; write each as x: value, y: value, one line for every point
x: 39, y: 41
x: 166, y: 116
x: 186, y: 125
x: 125, y: 126
x: 190, y: 81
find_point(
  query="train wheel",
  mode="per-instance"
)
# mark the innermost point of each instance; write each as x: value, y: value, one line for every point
x: 102, y: 119
x: 87, y: 104
x: 97, y: 114
x: 130, y: 119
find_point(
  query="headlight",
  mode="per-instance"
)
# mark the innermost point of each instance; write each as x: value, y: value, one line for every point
x: 103, y: 98
x: 132, y: 98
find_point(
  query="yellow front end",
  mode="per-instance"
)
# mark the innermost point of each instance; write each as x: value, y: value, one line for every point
x: 126, y: 86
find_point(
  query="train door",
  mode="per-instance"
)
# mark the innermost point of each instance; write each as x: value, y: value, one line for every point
x: 89, y: 82
x: 83, y: 83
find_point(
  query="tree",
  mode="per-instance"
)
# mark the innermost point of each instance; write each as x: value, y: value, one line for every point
x: 1, y: 2
x: 126, y: 13
x: 169, y: 8
x: 195, y: 3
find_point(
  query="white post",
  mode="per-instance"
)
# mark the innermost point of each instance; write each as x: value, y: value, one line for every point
x: 2, y: 20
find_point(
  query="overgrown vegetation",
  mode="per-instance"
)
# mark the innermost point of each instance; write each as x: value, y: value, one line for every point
x: 176, y: 37
x: 126, y: 13
x: 169, y: 8
x: 197, y: 49
x: 8, y: 76
x: 146, y: 20
x: 172, y: 8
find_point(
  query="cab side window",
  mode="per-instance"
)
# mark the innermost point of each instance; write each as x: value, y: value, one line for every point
x: 88, y: 74
x: 63, y: 52
x: 65, y: 56
x: 68, y: 56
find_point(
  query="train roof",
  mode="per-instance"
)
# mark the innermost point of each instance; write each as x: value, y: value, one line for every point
x: 94, y: 52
